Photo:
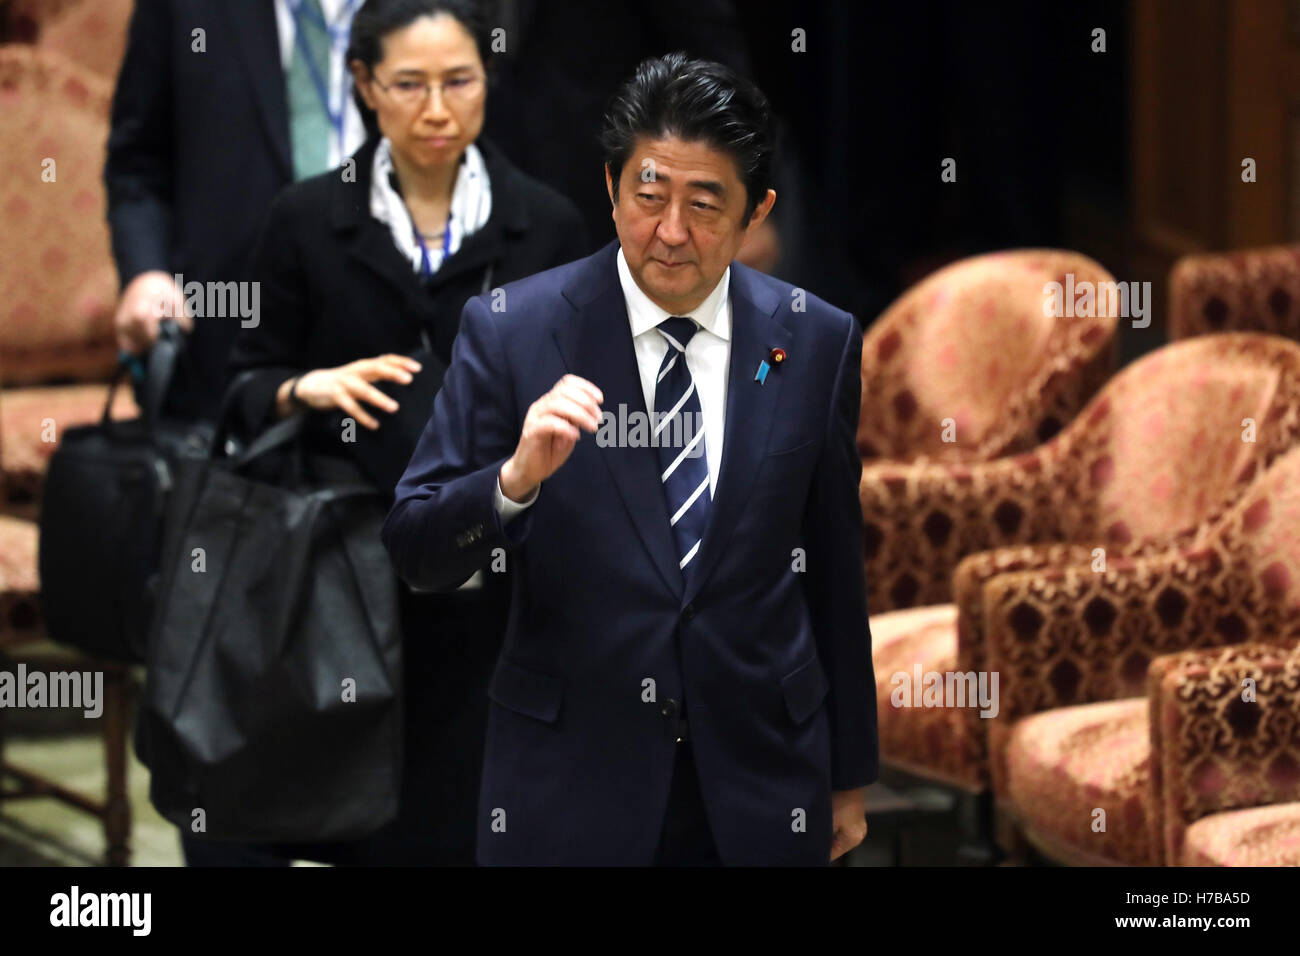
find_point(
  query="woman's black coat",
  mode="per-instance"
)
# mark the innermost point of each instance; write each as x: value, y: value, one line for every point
x: 334, y: 289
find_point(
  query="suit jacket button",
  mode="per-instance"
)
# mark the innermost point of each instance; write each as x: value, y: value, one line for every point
x: 669, y: 708
x: 688, y: 612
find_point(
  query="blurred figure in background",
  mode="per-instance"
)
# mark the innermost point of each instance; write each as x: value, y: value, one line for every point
x: 357, y: 271
x: 219, y: 104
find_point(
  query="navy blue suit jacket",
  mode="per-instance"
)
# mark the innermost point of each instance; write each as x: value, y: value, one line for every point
x: 766, y: 645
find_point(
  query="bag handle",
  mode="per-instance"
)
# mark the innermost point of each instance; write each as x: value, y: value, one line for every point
x: 160, y: 366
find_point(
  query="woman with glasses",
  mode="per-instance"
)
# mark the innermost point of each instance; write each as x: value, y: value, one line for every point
x: 364, y: 271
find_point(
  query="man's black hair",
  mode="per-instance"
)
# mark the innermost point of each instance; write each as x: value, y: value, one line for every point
x: 693, y: 100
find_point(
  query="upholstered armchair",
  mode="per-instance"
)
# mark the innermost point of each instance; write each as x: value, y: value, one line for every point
x: 1085, y: 657
x: 1149, y: 465
x: 56, y: 318
x: 941, y: 379
x: 1225, y: 764
x: 1251, y: 290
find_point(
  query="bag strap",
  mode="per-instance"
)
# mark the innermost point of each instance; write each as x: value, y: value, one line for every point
x: 160, y: 369
x: 160, y: 366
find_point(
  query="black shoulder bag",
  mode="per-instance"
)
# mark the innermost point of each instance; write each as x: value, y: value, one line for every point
x: 272, y: 705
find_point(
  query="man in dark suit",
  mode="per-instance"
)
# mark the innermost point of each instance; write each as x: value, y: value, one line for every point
x: 219, y: 105
x: 686, y: 676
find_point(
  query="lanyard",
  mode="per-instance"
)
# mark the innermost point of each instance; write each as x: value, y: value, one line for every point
x: 426, y: 267
x: 338, y: 33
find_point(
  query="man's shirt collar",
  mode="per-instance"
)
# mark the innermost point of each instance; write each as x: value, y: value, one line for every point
x: 711, y: 314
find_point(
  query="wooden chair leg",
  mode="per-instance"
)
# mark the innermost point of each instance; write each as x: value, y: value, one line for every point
x: 117, y: 808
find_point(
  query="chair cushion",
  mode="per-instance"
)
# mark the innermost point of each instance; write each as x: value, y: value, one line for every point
x: 20, y: 618
x: 931, y: 741
x: 1260, y: 836
x: 24, y: 452
x: 1064, y: 764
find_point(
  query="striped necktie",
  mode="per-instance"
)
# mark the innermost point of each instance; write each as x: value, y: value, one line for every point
x: 307, y: 79
x: 679, y: 437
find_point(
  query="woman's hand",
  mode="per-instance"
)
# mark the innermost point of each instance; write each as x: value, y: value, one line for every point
x: 348, y: 385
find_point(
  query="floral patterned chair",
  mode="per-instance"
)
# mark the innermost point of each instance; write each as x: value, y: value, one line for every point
x: 1094, y: 699
x: 1226, y: 770
x: 56, y: 318
x: 1125, y: 479
x: 1252, y: 290
x: 938, y: 357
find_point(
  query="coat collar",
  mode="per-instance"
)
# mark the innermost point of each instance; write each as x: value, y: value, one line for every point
x: 598, y: 346
x: 350, y: 192
x: 369, y: 241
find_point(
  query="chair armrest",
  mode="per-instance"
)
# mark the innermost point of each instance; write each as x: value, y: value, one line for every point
x: 1069, y: 634
x: 921, y: 519
x: 1212, y: 750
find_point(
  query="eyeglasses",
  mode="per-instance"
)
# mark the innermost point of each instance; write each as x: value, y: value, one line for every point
x: 458, y: 90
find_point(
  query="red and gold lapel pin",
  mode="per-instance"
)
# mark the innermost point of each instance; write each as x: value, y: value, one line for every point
x: 775, y: 357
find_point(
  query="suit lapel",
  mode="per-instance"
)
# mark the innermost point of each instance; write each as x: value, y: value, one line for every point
x: 598, y: 347
x: 257, y: 37
x: 751, y: 409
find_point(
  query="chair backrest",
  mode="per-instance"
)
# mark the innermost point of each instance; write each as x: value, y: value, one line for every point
x: 1174, y: 439
x: 92, y: 35
x: 1260, y: 538
x: 60, y: 288
x: 968, y: 365
x: 1250, y: 290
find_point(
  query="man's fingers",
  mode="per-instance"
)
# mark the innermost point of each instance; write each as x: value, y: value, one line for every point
x: 580, y: 415
x: 578, y: 381
x: 576, y: 393
x: 579, y: 396
x: 554, y: 425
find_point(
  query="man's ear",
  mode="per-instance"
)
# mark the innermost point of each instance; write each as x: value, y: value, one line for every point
x: 609, y: 184
x: 761, y: 210
x: 361, y: 80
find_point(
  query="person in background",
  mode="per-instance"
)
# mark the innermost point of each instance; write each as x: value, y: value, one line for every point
x: 219, y: 105
x: 358, y: 271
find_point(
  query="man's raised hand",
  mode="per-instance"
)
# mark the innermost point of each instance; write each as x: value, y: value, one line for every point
x: 551, y: 428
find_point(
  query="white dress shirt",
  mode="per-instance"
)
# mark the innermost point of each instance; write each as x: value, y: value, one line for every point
x: 354, y: 130
x: 708, y: 357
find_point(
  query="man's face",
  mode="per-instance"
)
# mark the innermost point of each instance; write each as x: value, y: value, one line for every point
x: 678, y: 218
